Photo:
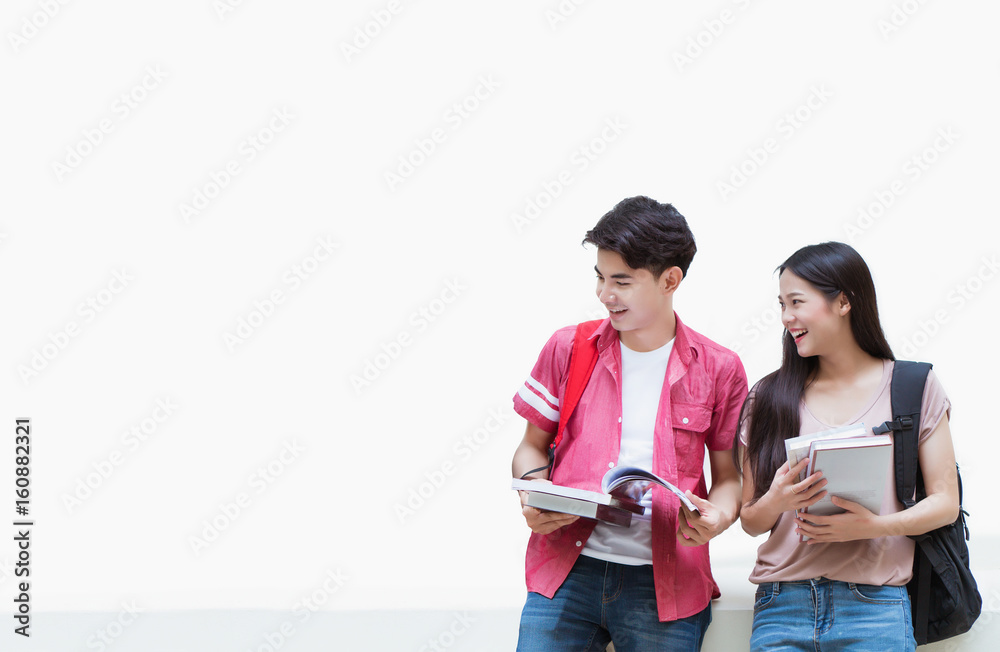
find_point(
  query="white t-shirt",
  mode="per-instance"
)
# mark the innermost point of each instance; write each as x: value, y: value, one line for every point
x: 642, y: 384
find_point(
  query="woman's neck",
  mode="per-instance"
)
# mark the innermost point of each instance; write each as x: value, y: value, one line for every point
x: 847, y: 366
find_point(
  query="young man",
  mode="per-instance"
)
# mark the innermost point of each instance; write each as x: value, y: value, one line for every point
x: 659, y: 394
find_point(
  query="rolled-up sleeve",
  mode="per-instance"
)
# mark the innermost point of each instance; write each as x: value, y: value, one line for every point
x: 732, y: 391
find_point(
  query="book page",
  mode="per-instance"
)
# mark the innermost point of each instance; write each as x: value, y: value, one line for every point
x: 627, y: 481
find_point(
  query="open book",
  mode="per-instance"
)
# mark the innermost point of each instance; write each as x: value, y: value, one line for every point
x: 631, y: 482
x: 621, y: 490
x: 580, y: 502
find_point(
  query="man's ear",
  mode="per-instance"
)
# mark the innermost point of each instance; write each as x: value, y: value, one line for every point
x: 670, y: 279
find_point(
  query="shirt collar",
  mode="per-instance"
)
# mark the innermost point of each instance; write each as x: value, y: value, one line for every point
x: 607, y: 335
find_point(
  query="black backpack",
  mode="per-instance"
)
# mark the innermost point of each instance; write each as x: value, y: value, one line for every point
x: 944, y: 598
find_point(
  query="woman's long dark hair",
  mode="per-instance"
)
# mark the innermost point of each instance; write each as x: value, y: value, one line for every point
x: 771, y: 411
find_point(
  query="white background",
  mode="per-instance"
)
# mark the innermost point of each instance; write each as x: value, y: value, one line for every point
x: 697, y: 92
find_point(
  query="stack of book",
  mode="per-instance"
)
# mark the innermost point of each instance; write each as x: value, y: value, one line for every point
x: 855, y: 465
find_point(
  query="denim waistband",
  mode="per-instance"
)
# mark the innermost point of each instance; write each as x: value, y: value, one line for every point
x: 814, y: 582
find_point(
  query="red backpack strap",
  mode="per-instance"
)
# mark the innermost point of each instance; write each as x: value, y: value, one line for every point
x: 582, y: 361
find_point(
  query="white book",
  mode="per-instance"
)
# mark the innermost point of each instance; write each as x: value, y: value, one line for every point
x: 578, y: 507
x: 856, y: 469
x: 580, y: 502
x: 797, y: 448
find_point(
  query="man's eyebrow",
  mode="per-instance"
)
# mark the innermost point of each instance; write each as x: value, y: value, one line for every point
x: 618, y: 275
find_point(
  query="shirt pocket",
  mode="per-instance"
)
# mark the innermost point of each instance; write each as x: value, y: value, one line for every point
x: 689, y: 422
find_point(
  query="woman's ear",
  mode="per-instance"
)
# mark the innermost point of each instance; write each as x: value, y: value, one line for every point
x: 843, y: 305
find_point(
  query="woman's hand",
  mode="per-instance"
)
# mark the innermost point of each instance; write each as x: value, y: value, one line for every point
x: 856, y: 523
x: 787, y: 493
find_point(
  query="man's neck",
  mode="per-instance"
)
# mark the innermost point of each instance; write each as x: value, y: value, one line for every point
x: 651, y: 337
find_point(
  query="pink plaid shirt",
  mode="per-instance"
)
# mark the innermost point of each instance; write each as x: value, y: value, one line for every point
x: 704, y: 390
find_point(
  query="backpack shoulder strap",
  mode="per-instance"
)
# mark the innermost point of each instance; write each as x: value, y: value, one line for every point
x: 582, y: 361
x: 906, y: 394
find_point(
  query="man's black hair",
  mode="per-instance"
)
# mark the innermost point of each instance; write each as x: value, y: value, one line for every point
x: 646, y: 234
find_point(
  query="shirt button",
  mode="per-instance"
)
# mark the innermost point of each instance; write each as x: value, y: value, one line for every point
x: 684, y: 420
x: 611, y: 465
x: 579, y: 543
x: 619, y: 419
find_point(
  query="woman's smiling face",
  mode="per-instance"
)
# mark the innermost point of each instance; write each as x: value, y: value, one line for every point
x: 814, y: 322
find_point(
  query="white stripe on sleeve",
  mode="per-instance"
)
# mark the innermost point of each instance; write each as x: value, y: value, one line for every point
x: 543, y: 391
x: 536, y: 401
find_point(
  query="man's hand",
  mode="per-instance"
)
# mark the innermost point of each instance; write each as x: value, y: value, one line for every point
x: 544, y: 521
x: 719, y: 510
x: 695, y: 530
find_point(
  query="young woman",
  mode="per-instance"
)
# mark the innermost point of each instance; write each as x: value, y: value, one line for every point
x: 844, y: 588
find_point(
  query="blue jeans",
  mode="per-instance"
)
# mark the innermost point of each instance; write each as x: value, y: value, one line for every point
x: 601, y: 602
x: 822, y: 614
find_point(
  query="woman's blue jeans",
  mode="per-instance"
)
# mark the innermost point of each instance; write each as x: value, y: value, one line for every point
x: 822, y: 614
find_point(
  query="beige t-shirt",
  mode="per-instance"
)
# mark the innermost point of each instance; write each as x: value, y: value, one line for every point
x: 886, y: 560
